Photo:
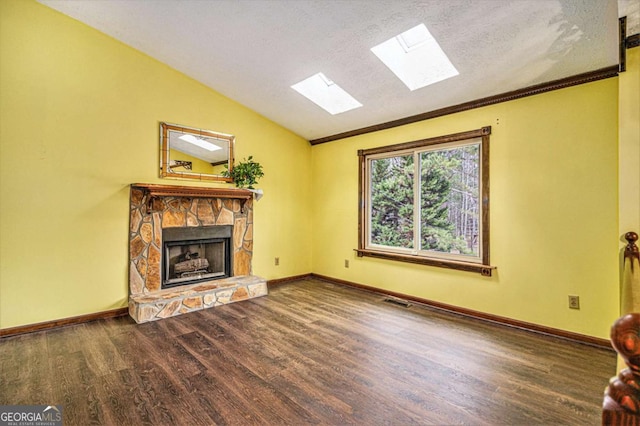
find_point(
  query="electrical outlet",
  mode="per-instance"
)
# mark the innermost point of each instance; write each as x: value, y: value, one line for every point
x: 346, y: 263
x: 574, y: 302
x: 277, y: 261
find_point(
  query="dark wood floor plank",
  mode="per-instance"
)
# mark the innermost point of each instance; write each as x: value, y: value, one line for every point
x: 63, y: 341
x: 167, y: 351
x: 163, y: 372
x: 270, y: 403
x: 27, y: 381
x: 102, y: 357
x: 220, y: 402
x: 117, y: 403
x: 323, y: 405
x: 234, y: 344
x: 74, y: 385
x: 311, y: 352
x: 163, y: 392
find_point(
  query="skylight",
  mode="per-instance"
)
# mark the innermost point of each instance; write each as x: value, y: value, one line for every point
x: 326, y: 94
x: 416, y: 58
x: 200, y: 142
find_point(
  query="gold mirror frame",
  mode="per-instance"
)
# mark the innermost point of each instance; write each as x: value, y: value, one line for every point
x: 182, y: 154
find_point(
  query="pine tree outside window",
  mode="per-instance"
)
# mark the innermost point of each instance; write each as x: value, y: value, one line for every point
x: 427, y: 201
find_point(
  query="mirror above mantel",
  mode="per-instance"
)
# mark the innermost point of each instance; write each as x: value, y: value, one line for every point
x: 197, y: 154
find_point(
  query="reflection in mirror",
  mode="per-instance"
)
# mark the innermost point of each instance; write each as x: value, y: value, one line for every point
x: 190, y: 153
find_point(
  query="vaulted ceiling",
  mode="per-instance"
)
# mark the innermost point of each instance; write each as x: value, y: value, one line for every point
x: 252, y: 51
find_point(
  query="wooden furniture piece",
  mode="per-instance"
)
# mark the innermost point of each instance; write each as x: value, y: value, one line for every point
x: 621, y: 404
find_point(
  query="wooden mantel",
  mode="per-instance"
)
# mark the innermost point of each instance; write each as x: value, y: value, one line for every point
x: 192, y: 191
x: 155, y: 191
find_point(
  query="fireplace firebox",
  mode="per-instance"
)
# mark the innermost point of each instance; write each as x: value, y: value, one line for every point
x: 192, y: 255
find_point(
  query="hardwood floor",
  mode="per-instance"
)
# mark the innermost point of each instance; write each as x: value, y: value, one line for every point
x: 309, y: 353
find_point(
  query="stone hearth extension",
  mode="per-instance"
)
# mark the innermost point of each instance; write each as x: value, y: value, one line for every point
x: 194, y: 297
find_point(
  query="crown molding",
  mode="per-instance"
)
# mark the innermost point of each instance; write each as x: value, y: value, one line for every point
x: 562, y: 83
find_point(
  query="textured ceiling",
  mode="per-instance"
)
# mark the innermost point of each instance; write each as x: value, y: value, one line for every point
x: 630, y: 9
x: 253, y: 51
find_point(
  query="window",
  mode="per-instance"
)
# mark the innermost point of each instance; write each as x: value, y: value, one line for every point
x: 427, y: 201
x: 326, y: 94
x: 416, y: 58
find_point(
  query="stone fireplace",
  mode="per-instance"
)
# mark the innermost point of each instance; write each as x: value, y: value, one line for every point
x: 190, y: 248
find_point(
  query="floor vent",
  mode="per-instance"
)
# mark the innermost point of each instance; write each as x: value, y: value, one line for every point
x: 398, y: 302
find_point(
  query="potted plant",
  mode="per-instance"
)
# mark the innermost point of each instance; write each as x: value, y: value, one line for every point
x: 245, y: 174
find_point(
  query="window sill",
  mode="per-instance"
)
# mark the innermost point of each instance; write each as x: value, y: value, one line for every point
x: 484, y: 270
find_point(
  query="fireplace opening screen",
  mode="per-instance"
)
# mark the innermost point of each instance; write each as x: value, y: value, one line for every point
x: 194, y: 261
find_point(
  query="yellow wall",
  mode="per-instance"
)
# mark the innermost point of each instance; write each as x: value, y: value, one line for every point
x: 79, y: 114
x: 554, y: 228
x: 629, y: 121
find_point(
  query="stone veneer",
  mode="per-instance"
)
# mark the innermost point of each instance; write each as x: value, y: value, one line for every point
x: 149, y: 215
x: 194, y: 297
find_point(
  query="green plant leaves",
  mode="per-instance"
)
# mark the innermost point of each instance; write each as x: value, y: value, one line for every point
x: 245, y: 174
